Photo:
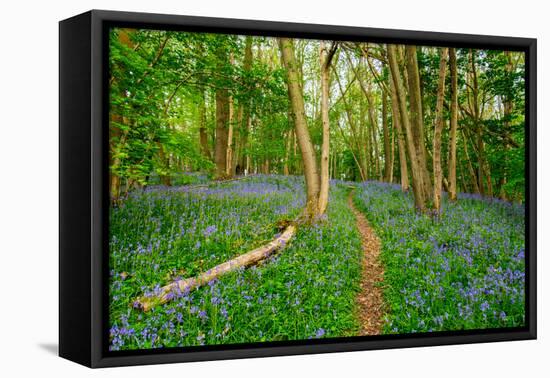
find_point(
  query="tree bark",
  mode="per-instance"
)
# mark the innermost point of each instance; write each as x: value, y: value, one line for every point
x: 243, y: 162
x: 373, y: 136
x: 387, y: 144
x: 417, y: 118
x: 325, y: 58
x: 396, y: 122
x: 222, y: 121
x: 508, y: 109
x: 477, y: 125
x: 414, y: 157
x: 453, y: 125
x: 203, y: 135
x: 229, y: 150
x: 295, y: 93
x: 361, y: 152
x: 438, y: 175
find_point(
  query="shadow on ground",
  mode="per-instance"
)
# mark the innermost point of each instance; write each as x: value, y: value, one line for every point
x: 51, y: 348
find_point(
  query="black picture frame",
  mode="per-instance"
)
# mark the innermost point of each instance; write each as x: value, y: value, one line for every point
x: 84, y: 197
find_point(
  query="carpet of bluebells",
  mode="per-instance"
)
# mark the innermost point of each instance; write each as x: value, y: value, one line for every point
x: 161, y: 234
x: 464, y: 271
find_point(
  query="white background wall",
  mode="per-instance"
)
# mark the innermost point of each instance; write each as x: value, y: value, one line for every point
x: 29, y: 186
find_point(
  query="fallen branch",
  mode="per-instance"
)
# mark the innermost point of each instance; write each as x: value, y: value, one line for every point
x: 175, y: 288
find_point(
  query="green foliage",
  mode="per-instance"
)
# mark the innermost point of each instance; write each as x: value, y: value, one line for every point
x: 159, y: 80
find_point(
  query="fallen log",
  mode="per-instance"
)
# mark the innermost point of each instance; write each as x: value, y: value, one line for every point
x: 177, y: 287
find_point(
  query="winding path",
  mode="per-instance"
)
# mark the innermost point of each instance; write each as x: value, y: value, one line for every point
x: 369, y: 301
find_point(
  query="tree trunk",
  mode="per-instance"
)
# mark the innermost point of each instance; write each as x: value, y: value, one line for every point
x: 295, y: 94
x: 469, y: 165
x: 360, y: 167
x: 508, y: 109
x: 387, y: 142
x: 478, y: 127
x: 373, y: 137
x: 287, y: 139
x: 400, y: 138
x: 361, y: 151
x: 414, y: 157
x: 417, y: 118
x: 438, y: 175
x: 243, y: 161
x: 453, y: 124
x: 222, y: 122
x: 392, y: 149
x: 229, y: 151
x: 325, y: 57
x: 203, y: 135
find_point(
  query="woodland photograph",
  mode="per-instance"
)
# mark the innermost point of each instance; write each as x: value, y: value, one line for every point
x: 268, y: 189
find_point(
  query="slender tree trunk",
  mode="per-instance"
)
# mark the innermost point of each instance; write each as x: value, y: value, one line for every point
x: 203, y: 135
x: 417, y: 118
x: 508, y: 109
x: 414, y: 157
x: 387, y: 142
x: 363, y: 139
x: 478, y: 126
x: 222, y: 121
x: 236, y: 155
x: 453, y: 124
x: 360, y: 167
x: 469, y: 165
x: 325, y: 57
x: 287, y: 139
x: 245, y: 117
x: 373, y: 137
x: 295, y: 93
x: 463, y: 182
x: 354, y: 143
x: 229, y: 149
x: 438, y: 174
x: 400, y: 138
x: 392, y: 155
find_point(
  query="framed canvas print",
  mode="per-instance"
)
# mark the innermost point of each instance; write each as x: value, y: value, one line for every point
x: 233, y: 188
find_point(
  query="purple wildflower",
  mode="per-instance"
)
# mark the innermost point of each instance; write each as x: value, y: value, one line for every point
x: 320, y: 333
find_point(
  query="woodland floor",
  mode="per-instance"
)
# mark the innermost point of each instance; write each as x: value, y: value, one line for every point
x: 369, y: 300
x: 397, y: 273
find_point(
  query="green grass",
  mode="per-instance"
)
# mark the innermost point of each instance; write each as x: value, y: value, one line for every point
x: 464, y: 271
x: 308, y: 290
